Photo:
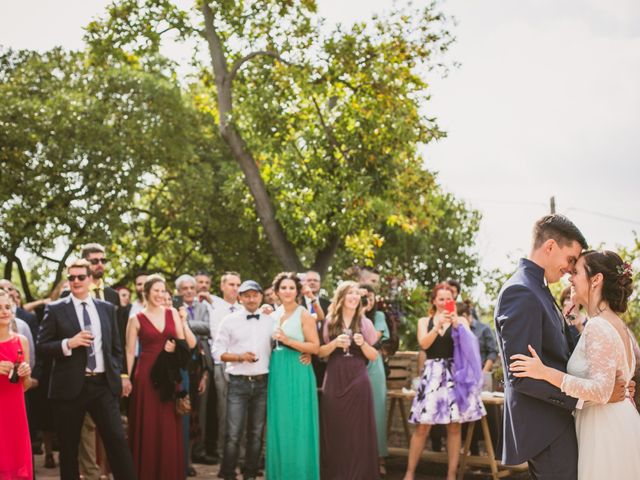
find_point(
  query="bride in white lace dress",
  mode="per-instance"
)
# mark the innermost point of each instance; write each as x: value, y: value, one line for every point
x: 608, y: 433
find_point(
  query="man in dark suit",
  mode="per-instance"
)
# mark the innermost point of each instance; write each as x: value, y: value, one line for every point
x: 312, y: 300
x: 538, y: 422
x: 80, y: 334
x: 94, y: 253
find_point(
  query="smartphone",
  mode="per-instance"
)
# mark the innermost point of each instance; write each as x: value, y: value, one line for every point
x: 178, y: 301
x: 450, y: 306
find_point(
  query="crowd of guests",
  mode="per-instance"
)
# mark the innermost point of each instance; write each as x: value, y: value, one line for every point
x: 283, y: 380
x: 145, y: 383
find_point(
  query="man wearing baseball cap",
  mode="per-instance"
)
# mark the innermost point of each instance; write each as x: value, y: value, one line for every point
x: 244, y: 343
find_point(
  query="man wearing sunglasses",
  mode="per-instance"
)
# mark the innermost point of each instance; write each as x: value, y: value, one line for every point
x: 80, y: 334
x: 94, y: 254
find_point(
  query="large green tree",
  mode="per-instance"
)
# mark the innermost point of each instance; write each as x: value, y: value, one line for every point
x: 322, y: 124
x: 78, y: 142
x: 250, y: 161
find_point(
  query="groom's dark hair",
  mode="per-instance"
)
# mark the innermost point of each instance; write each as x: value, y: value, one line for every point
x: 559, y: 228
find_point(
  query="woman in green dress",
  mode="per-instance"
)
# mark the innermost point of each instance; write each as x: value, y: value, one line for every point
x: 376, y: 372
x: 293, y: 438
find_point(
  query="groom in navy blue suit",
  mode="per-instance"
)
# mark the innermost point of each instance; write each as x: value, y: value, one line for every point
x: 538, y: 422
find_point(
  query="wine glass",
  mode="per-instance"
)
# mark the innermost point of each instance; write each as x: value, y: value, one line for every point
x: 349, y: 333
x: 277, y: 343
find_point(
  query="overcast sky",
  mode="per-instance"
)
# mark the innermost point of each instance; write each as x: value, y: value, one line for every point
x: 546, y: 102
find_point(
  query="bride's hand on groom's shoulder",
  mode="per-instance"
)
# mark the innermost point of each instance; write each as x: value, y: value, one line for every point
x: 524, y: 366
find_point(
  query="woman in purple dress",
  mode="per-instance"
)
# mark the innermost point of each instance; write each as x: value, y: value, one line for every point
x: 348, y: 445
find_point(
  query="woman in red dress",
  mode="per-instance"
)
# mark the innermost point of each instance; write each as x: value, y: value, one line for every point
x: 15, y: 378
x: 155, y: 430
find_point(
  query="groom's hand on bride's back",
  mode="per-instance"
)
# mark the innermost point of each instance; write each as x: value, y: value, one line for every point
x: 620, y: 391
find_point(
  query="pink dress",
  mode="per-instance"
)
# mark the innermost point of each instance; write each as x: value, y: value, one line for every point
x: 15, y: 445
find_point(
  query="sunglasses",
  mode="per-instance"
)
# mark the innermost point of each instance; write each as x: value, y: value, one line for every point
x: 95, y: 261
x: 72, y: 278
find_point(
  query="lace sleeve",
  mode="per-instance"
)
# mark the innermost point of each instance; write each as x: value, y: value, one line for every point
x: 601, y: 358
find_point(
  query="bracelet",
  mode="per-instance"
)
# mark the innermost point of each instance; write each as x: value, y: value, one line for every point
x: 124, y: 375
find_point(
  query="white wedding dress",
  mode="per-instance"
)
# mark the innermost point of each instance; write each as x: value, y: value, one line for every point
x: 608, y: 433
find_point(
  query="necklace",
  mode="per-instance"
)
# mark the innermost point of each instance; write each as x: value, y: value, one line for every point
x: 600, y: 310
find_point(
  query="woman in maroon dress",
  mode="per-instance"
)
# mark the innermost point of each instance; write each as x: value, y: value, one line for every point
x: 155, y: 430
x: 348, y: 443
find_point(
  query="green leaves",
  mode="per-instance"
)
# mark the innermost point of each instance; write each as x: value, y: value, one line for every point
x: 124, y: 150
x: 79, y: 141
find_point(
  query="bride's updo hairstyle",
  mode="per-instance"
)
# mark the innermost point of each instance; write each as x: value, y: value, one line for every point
x: 617, y: 284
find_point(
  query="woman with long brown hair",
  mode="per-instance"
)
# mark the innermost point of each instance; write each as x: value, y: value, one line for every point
x: 292, y: 402
x: 155, y: 430
x: 346, y: 407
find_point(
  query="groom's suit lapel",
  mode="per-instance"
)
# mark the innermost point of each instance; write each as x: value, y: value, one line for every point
x: 563, y: 324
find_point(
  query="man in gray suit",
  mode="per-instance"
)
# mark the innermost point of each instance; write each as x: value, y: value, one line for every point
x: 201, y: 370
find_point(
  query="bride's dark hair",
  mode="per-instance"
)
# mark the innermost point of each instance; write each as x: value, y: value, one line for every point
x: 617, y: 284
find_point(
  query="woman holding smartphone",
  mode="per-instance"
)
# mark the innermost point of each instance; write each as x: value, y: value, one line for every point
x: 435, y: 401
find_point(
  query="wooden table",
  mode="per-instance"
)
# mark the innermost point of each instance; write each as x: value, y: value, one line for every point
x: 397, y: 397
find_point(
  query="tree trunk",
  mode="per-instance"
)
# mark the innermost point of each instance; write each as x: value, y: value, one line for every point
x: 283, y: 249
x: 62, y: 266
x: 324, y: 257
x: 23, y: 280
x: 8, y: 267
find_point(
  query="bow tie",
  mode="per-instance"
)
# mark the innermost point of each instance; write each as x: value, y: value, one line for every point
x: 255, y: 315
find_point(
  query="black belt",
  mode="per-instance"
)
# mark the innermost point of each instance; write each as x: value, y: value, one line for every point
x: 251, y: 378
x: 94, y: 374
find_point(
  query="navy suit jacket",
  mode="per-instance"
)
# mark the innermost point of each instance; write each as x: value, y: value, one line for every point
x: 30, y: 318
x: 535, y: 412
x: 68, y: 373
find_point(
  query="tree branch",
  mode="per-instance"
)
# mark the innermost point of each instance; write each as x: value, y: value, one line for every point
x: 23, y: 280
x: 327, y: 130
x: 216, y: 51
x: 48, y: 258
x: 267, y: 53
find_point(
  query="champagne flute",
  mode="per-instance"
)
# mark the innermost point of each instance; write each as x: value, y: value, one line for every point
x: 277, y: 343
x: 349, y: 333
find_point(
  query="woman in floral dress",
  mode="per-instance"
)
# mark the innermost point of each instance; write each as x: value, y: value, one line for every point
x: 437, y: 400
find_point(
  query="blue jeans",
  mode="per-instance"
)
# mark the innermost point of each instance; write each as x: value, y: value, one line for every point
x: 246, y: 404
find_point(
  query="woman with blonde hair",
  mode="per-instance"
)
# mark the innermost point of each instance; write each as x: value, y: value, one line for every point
x: 347, y: 408
x: 15, y: 445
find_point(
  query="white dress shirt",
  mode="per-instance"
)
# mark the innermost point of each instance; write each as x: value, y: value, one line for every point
x: 219, y: 308
x: 96, y: 330
x: 136, y: 307
x: 238, y: 335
